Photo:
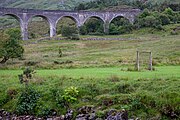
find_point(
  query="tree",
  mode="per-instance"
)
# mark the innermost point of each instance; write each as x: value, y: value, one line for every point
x: 70, y: 32
x: 83, y: 30
x: 81, y: 6
x: 94, y: 25
x: 10, y: 46
x: 120, y: 25
x: 164, y: 19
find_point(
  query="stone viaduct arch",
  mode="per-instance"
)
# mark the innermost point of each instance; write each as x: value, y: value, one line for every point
x: 41, y: 16
x: 15, y: 16
x: 53, y: 16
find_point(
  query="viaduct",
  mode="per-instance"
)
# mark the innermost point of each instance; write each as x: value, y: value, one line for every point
x: 24, y: 16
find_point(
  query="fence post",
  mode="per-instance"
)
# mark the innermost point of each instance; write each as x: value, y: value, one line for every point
x: 137, y: 61
x: 150, y: 61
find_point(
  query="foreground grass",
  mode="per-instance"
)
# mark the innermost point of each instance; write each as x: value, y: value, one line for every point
x: 144, y: 94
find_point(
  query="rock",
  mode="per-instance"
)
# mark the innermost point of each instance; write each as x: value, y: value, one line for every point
x: 115, y: 115
x: 49, y: 118
x: 58, y: 118
x: 86, y: 113
x: 99, y: 119
x: 92, y: 116
x: 69, y: 115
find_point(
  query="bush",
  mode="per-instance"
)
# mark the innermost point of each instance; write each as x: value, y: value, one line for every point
x: 120, y: 26
x: 30, y: 63
x: 164, y: 19
x: 113, y: 29
x: 10, y: 46
x: 75, y: 37
x: 114, y: 78
x: 70, y: 32
x: 27, y: 101
x: 83, y: 30
x: 96, y: 33
x: 173, y: 32
x: 150, y: 21
x: 124, y: 88
x: 4, y: 99
x: 91, y: 90
x: 69, y: 96
x: 94, y: 25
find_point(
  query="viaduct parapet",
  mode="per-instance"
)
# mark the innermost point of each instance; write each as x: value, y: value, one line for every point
x: 24, y: 16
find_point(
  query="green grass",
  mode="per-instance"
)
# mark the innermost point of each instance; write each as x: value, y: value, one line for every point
x: 99, y: 70
x: 160, y: 72
x: 105, y: 53
x: 144, y: 94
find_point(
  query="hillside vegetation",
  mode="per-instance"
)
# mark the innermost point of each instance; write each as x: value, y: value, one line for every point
x: 163, y: 44
x: 88, y: 4
x: 42, y: 4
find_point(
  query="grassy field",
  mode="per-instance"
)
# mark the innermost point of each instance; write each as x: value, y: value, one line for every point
x: 144, y: 94
x: 101, y: 72
x: 160, y: 72
x: 107, y: 53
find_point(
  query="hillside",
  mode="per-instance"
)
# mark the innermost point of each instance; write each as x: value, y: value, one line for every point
x: 42, y: 4
x: 71, y: 4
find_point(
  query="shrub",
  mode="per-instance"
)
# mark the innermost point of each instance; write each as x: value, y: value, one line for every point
x: 90, y: 89
x: 96, y: 33
x: 114, y: 78
x: 173, y: 32
x: 94, y: 25
x: 32, y: 35
x: 27, y: 101
x: 150, y: 21
x: 120, y: 25
x: 83, y: 30
x: 145, y: 13
x: 124, y: 88
x: 164, y: 19
x: 60, y: 52
x: 75, y: 37
x: 30, y: 63
x: 27, y: 74
x: 10, y: 46
x: 69, y: 96
x: 12, y: 92
x: 4, y: 99
x: 113, y: 29
x: 70, y: 32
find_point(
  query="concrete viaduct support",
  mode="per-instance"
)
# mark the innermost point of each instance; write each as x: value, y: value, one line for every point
x: 53, y: 16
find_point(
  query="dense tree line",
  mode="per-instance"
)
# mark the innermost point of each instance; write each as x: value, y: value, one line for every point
x: 157, y: 19
x: 141, y: 4
x: 121, y: 25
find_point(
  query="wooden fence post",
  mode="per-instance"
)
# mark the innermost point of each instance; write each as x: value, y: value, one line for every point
x: 137, y: 61
x: 150, y: 61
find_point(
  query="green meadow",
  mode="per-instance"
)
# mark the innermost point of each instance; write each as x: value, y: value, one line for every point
x: 102, y: 72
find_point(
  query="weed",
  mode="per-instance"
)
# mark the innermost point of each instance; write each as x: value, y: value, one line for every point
x: 124, y: 88
x: 27, y: 101
x: 30, y: 63
x: 114, y: 78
